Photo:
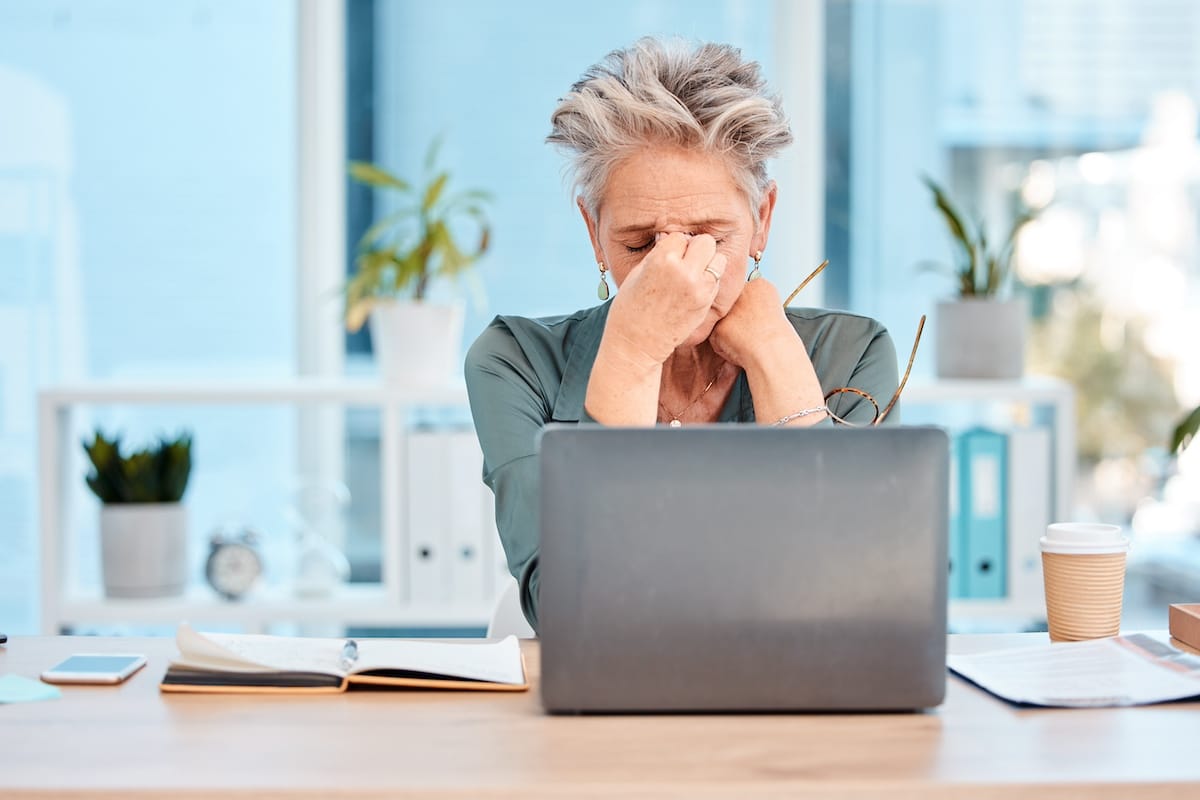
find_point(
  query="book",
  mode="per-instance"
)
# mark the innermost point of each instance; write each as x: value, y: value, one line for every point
x: 248, y: 663
x: 1183, y: 620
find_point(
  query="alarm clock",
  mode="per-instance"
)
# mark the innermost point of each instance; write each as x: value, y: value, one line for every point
x: 234, y: 563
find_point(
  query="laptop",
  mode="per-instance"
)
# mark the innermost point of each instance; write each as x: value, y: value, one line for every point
x: 743, y: 568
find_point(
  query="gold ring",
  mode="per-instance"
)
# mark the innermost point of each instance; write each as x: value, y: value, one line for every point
x: 713, y: 272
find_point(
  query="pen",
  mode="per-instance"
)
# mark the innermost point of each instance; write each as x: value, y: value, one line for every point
x: 349, y: 654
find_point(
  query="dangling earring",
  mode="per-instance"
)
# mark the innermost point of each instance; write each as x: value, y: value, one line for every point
x: 754, y: 273
x: 602, y: 290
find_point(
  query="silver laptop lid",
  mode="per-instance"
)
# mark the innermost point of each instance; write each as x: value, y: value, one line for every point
x: 740, y: 567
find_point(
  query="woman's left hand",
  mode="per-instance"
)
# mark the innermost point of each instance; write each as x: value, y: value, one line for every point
x: 756, y: 323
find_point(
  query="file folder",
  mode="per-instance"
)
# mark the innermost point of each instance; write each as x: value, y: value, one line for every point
x: 983, y: 500
x: 426, y: 517
x: 1030, y: 508
x: 470, y: 521
x: 957, y: 582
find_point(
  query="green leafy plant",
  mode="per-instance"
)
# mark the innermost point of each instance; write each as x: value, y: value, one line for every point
x: 981, y: 270
x: 401, y: 253
x: 1185, y: 431
x: 156, y: 474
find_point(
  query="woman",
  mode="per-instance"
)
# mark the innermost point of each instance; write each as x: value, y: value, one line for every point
x: 668, y: 145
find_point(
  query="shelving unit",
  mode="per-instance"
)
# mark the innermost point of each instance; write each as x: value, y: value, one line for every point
x: 1038, y: 391
x: 355, y: 605
x: 1052, y: 394
x: 385, y: 604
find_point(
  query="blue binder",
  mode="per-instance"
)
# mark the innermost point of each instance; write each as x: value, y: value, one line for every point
x: 983, y: 503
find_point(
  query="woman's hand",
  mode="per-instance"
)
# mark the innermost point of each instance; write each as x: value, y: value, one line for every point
x: 665, y: 297
x: 754, y: 325
x: 757, y: 336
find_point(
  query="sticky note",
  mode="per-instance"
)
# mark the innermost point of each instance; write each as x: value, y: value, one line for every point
x: 17, y: 689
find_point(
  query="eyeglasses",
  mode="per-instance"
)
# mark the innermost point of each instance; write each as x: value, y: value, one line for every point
x: 880, y: 416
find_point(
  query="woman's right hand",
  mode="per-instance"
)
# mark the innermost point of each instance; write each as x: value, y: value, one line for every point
x: 666, y: 296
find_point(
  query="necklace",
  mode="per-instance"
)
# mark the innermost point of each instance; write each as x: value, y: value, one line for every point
x: 675, y: 423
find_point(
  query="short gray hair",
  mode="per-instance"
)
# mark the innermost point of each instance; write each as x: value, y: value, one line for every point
x: 669, y: 92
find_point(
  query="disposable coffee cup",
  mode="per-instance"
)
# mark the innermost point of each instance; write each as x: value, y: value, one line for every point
x: 1083, y: 566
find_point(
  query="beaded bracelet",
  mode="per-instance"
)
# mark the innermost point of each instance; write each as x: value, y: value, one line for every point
x: 799, y: 414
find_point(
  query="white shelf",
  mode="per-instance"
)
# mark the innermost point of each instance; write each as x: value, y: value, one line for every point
x: 1042, y: 391
x: 1031, y: 389
x: 388, y: 603
x: 994, y: 610
x: 353, y: 605
x: 280, y: 392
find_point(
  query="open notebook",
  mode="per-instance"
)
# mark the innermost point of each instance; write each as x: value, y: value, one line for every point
x: 224, y: 662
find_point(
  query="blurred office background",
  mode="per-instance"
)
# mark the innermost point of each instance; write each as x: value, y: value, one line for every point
x: 173, y: 206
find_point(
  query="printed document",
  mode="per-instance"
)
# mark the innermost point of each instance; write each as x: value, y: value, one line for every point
x: 1122, y: 671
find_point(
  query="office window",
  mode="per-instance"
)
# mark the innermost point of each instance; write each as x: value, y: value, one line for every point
x: 1059, y: 105
x: 486, y: 77
x: 1086, y: 111
x: 148, y: 194
x: 147, y: 215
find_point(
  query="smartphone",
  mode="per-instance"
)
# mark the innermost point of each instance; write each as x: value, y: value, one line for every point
x: 94, y: 668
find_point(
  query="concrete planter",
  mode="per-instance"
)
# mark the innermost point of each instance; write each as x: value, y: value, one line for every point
x: 417, y: 343
x: 981, y: 339
x: 143, y: 549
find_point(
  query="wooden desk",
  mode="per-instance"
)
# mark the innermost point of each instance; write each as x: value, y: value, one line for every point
x: 131, y: 741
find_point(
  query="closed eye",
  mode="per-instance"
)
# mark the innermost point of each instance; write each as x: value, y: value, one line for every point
x: 649, y: 242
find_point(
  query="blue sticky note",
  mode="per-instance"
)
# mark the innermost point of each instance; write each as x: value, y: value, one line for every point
x: 17, y: 689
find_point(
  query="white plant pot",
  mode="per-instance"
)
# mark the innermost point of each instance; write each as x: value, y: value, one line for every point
x: 143, y: 549
x: 417, y: 343
x: 980, y: 338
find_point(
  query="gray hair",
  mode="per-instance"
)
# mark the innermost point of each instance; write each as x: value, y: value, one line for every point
x: 669, y: 92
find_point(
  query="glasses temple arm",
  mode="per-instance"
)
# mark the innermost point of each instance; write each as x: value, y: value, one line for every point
x: 912, y: 357
x: 820, y: 268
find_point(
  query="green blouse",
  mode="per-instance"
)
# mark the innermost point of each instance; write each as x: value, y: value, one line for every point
x: 523, y: 373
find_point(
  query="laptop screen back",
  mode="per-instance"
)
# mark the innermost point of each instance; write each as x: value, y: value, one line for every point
x: 740, y: 567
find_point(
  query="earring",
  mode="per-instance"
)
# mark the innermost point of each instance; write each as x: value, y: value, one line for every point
x: 754, y: 273
x: 602, y: 290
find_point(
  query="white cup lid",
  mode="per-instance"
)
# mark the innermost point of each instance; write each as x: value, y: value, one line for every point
x: 1088, y: 538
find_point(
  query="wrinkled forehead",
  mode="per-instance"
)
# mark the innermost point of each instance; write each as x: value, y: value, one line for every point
x: 672, y: 190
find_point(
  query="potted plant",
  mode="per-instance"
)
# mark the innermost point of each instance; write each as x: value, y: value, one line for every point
x: 1185, y: 431
x: 143, y: 525
x: 980, y: 334
x: 399, y: 257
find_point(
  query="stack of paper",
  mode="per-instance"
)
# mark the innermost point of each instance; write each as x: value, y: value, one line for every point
x: 1122, y: 671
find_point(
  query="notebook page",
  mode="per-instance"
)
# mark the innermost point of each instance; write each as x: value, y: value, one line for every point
x: 234, y: 652
x: 498, y: 662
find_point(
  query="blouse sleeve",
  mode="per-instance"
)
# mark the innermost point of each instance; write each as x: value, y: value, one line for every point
x: 510, y: 406
x: 876, y: 374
